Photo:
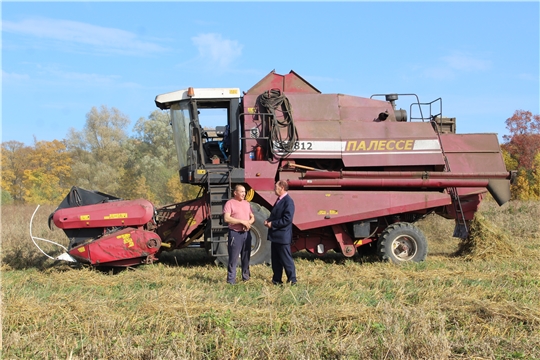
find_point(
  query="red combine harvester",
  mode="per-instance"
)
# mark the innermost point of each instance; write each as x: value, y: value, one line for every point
x: 360, y: 171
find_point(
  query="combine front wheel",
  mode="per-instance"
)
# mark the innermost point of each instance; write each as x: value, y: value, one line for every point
x: 260, y: 246
x: 402, y: 242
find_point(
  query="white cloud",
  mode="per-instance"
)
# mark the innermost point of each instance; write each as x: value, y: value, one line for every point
x: 216, y: 51
x: 439, y: 73
x: 466, y: 63
x: 452, y: 65
x: 14, y: 76
x: 51, y: 76
x: 86, y: 78
x: 98, y: 38
x: 527, y: 77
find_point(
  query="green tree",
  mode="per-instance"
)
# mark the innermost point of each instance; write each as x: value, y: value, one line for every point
x: 6, y: 198
x: 155, y: 134
x: 153, y: 156
x: 99, y: 150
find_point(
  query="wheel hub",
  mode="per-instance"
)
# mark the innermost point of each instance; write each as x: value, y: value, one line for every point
x: 404, y: 247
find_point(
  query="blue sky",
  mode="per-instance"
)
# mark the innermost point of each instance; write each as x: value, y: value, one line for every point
x: 59, y: 59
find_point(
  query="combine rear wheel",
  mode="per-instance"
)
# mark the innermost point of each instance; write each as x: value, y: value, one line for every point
x: 260, y: 246
x: 402, y: 242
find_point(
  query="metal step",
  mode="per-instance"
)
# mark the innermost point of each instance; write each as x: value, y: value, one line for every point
x: 219, y: 190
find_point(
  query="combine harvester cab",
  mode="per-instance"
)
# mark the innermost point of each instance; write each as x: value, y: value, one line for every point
x: 360, y: 171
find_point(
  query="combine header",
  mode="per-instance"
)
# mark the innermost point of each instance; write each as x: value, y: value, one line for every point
x: 360, y: 171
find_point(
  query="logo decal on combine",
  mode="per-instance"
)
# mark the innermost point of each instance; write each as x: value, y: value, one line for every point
x: 116, y: 216
x: 84, y: 217
x: 190, y: 217
x: 380, y: 145
x: 127, y: 239
x: 324, y: 212
x: 359, y: 147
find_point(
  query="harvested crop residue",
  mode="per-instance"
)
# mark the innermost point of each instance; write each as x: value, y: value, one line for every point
x: 486, y: 241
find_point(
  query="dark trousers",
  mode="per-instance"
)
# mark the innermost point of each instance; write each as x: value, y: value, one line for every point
x: 238, y: 245
x: 282, y: 259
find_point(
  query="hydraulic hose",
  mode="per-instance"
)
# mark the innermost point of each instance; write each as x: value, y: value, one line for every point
x: 275, y: 101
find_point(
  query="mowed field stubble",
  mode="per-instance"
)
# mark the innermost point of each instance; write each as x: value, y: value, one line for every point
x: 483, y: 303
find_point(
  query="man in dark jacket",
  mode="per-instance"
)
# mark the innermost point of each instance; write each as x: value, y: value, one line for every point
x: 279, y: 226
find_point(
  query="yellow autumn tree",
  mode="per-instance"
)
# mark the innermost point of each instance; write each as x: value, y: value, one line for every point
x: 510, y: 162
x: 47, y: 177
x: 14, y: 162
x: 141, y: 190
x: 181, y: 192
x: 535, y: 187
x: 521, y: 189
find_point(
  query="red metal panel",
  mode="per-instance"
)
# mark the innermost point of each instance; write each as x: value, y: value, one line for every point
x: 353, y: 108
x: 473, y: 152
x: 404, y: 175
x: 470, y: 142
x: 260, y: 174
x: 469, y: 206
x: 295, y: 83
x: 182, y: 220
x: 314, y: 107
x: 316, y: 208
x: 345, y: 241
x: 125, y: 244
x: 115, y: 213
x: 389, y: 183
x: 291, y: 82
x: 369, y: 144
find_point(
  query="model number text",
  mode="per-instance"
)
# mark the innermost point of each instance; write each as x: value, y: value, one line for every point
x: 301, y: 145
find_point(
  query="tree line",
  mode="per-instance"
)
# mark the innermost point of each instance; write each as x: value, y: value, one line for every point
x: 521, y: 152
x: 103, y: 157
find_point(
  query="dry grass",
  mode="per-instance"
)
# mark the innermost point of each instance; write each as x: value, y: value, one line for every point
x: 486, y: 241
x: 444, y: 308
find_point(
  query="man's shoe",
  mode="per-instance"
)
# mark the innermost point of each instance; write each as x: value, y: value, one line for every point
x: 277, y: 282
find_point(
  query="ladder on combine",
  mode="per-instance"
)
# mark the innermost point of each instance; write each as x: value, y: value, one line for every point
x: 460, y: 231
x: 219, y: 192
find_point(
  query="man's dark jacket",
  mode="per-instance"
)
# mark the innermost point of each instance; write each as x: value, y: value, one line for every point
x: 282, y: 218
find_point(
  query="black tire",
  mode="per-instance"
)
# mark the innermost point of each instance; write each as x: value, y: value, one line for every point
x: 260, y: 246
x: 402, y: 242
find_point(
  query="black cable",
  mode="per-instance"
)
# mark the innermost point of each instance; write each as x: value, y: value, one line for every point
x: 275, y: 101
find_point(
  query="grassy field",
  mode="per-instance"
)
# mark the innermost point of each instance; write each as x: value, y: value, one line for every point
x: 482, y: 305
